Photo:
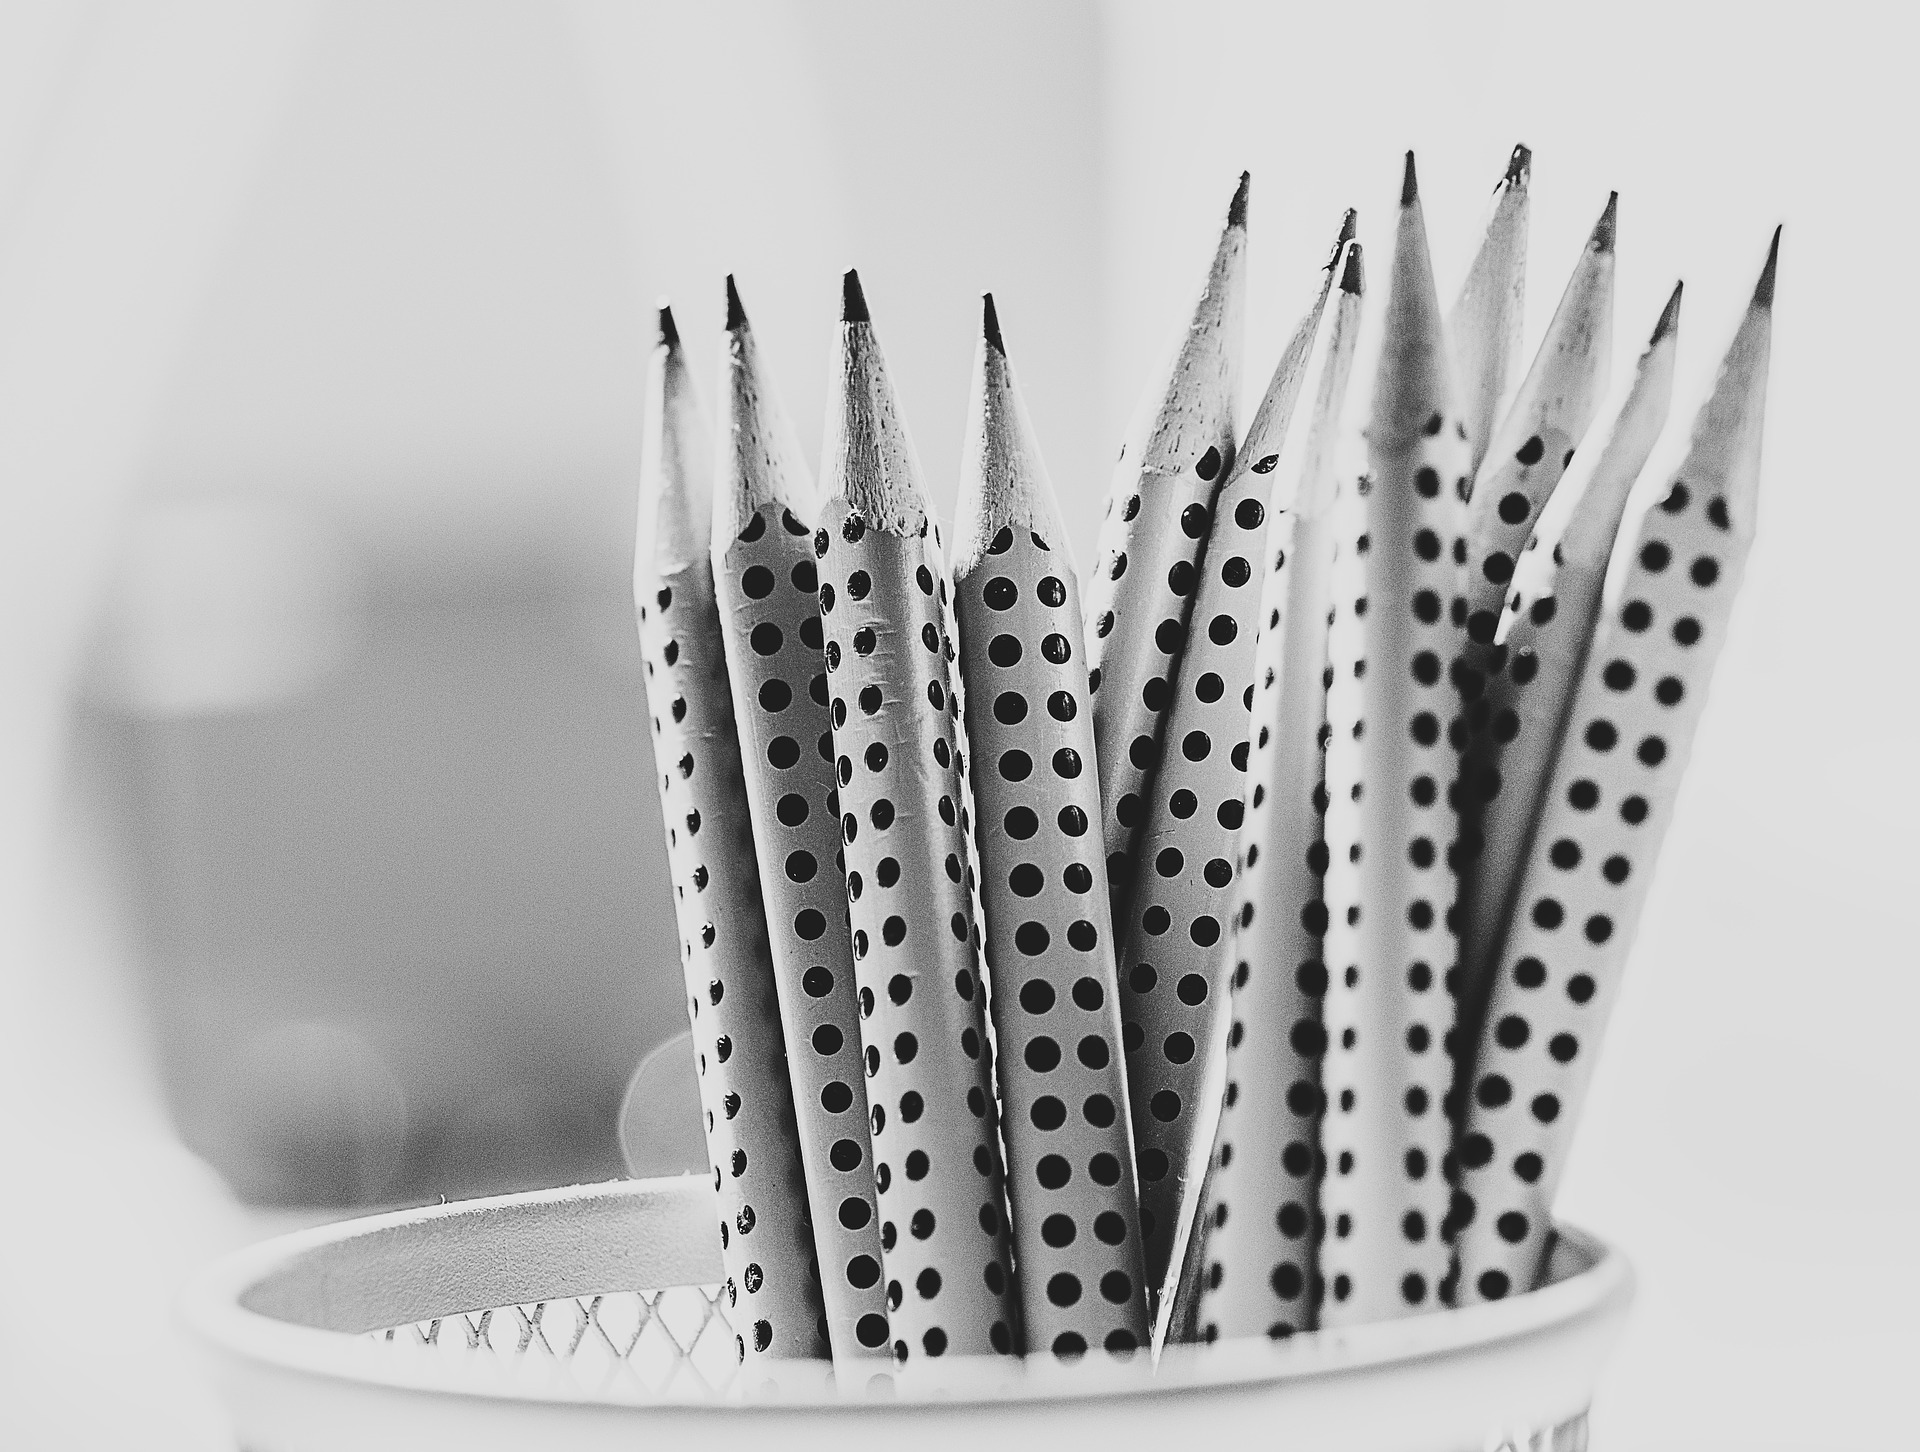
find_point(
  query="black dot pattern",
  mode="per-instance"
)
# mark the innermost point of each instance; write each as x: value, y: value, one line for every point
x: 1602, y: 819
x: 915, y: 944
x: 1261, y: 1214
x: 1174, y: 916
x: 796, y: 821
x: 1388, y: 888
x: 1050, y: 954
x: 1138, y: 598
x: 1530, y: 677
x: 752, y: 1138
x: 1534, y: 442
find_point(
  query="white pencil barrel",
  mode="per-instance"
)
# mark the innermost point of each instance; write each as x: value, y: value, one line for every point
x: 752, y: 1138
x: 1076, y: 1221
x: 904, y: 824
x: 768, y: 586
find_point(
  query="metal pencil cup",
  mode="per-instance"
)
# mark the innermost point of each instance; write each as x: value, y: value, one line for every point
x: 591, y: 1317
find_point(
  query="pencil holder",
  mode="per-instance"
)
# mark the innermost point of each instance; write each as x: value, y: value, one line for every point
x: 586, y: 1317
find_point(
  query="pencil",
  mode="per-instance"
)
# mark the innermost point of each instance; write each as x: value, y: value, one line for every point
x: 766, y: 1248
x: 1536, y: 663
x: 1172, y: 916
x: 1388, y: 889
x: 1076, y: 1231
x: 1536, y: 438
x: 1485, y: 321
x: 767, y: 590
x: 1260, y: 1274
x: 904, y: 822
x: 1176, y: 455
x: 1611, y: 796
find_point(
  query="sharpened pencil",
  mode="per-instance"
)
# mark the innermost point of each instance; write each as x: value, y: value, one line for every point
x: 765, y: 1240
x: 905, y: 823
x: 1605, y: 813
x: 1076, y: 1224
x: 1485, y: 322
x: 1177, y: 454
x: 1388, y: 889
x: 767, y: 587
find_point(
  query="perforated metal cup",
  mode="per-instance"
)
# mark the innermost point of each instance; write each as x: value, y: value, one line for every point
x: 587, y: 1314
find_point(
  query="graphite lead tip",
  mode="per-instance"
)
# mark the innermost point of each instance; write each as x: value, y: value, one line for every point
x: 1603, y: 230
x: 853, y: 302
x: 990, y: 324
x: 736, y: 315
x: 1669, y: 316
x: 1763, y: 290
x: 1409, y: 184
x: 1237, y: 208
x: 669, y: 333
x: 1353, y: 278
x: 1349, y: 228
x: 1519, y: 166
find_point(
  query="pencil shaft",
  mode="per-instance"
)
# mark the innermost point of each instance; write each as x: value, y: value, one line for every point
x: 1388, y: 888
x: 904, y: 824
x: 1175, y: 911
x: 1158, y: 515
x: 766, y: 1244
x: 1075, y: 1215
x: 1612, y: 794
x: 1261, y: 1276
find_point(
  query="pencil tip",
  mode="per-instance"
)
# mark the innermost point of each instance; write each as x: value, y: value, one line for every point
x: 1409, y: 184
x: 853, y: 302
x: 1349, y: 228
x: 1763, y: 290
x: 990, y: 324
x: 1669, y: 316
x: 1353, y: 279
x: 1603, y: 230
x: 1237, y: 208
x: 736, y: 315
x: 669, y: 333
x: 1519, y: 165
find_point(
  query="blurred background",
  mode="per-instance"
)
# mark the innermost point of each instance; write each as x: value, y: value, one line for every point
x: 330, y: 872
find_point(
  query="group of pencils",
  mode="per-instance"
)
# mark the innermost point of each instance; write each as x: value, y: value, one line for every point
x: 1226, y: 941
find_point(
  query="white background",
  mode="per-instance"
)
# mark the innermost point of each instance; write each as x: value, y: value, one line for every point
x: 243, y: 248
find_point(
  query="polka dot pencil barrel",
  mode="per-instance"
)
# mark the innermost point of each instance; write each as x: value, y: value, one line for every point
x: 1259, y: 1276
x: 1532, y: 448
x: 1175, y: 457
x: 1536, y: 662
x: 1485, y: 321
x: 1076, y: 1230
x: 1388, y: 888
x: 1172, y: 915
x: 904, y: 823
x: 771, y: 1298
x: 767, y: 586
x: 1607, y: 807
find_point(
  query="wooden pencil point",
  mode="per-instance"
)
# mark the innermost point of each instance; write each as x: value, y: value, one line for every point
x: 669, y: 333
x: 1763, y: 290
x: 1603, y: 230
x: 990, y: 325
x: 1669, y: 316
x: 1353, y: 276
x: 853, y: 301
x: 1237, y: 208
x: 1409, y: 184
x: 736, y: 315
